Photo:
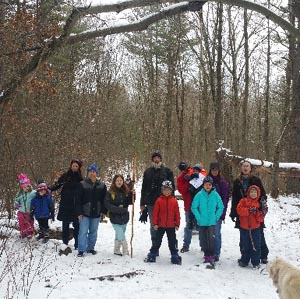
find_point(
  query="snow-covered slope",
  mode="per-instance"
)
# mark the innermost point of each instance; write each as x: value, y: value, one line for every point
x: 48, y: 275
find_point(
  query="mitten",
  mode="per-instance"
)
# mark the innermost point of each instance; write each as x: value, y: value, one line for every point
x: 144, y: 216
x: 252, y: 210
x: 232, y: 218
x: 194, y: 175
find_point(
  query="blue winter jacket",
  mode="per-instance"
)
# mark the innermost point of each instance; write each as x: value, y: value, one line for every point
x: 207, y: 207
x: 42, y: 206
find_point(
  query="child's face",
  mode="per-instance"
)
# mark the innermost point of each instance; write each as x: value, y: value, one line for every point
x: 166, y: 192
x: 253, y: 193
x: 207, y: 186
x: 25, y: 188
x: 42, y: 192
x: 119, y: 182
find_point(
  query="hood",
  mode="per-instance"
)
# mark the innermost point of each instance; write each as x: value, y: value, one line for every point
x: 258, y: 191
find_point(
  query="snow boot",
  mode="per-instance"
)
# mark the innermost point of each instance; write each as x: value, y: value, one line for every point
x: 117, y: 248
x: 212, y: 260
x: 151, y: 258
x: 65, y: 250
x: 125, y: 247
x: 176, y: 259
x: 242, y: 264
x: 206, y: 259
x: 184, y: 249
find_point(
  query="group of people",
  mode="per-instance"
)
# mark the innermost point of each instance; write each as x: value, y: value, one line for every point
x: 85, y: 201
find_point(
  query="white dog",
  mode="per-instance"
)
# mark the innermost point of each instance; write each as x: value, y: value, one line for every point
x: 286, y: 278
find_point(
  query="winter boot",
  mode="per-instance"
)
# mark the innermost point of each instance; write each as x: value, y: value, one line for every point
x: 117, y: 247
x: 206, y: 259
x: 151, y: 258
x: 176, y: 259
x: 184, y: 249
x: 125, y: 247
x: 242, y: 264
x: 40, y: 236
x: 212, y: 260
x: 65, y: 250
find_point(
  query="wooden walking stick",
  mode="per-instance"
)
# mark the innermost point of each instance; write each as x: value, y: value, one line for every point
x: 134, y: 170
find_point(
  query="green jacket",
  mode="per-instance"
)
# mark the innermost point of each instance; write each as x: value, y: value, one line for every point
x: 207, y: 207
x: 23, y: 201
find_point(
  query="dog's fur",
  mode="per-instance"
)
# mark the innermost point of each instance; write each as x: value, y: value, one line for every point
x: 286, y: 278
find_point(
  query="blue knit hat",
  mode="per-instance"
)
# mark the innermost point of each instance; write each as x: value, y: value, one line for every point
x: 92, y: 167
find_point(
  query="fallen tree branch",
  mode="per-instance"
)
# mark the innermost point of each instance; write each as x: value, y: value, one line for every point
x: 112, y: 277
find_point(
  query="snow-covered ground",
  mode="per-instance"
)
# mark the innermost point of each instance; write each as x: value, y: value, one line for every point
x: 39, y: 272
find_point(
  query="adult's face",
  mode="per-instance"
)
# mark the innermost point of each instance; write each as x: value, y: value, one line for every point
x: 119, y: 182
x: 246, y: 168
x: 74, y: 167
x: 92, y: 175
x: 214, y: 171
x: 156, y: 159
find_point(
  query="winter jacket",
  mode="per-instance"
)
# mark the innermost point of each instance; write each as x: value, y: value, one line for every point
x: 222, y: 188
x: 151, y: 187
x: 166, y: 212
x: 207, y: 207
x: 117, y: 206
x: 42, y: 206
x: 183, y: 188
x: 248, y: 219
x: 90, y: 202
x: 23, y: 201
x: 70, y: 183
x: 238, y: 193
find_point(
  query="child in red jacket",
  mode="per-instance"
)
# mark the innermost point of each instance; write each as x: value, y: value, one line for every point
x: 166, y: 218
x: 251, y: 214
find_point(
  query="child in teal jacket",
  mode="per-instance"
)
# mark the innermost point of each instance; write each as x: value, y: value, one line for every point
x: 207, y: 207
x: 22, y: 203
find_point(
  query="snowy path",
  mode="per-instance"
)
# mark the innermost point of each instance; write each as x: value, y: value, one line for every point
x: 68, y: 276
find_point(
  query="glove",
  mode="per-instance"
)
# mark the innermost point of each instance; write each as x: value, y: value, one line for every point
x: 52, y: 217
x: 232, y: 218
x: 32, y: 215
x: 144, y: 216
x: 252, y: 210
x: 194, y: 175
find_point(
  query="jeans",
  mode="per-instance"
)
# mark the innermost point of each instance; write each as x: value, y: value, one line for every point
x: 66, y: 231
x: 187, y: 230
x: 207, y: 239
x: 88, y: 229
x: 153, y: 232
x: 120, y: 231
x: 218, y: 237
x: 250, y: 245
x: 171, y: 240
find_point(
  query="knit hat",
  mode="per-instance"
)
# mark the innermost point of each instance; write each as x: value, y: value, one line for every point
x: 166, y: 185
x: 41, y: 187
x: 208, y: 179
x: 183, y: 166
x: 77, y: 161
x: 197, y: 167
x: 92, y: 167
x: 156, y: 154
x: 23, y: 180
x: 214, y: 165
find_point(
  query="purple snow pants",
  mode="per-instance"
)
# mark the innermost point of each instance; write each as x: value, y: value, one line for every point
x: 25, y: 224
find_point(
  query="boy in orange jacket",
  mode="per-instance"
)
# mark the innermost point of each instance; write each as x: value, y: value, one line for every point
x: 166, y: 219
x: 251, y: 214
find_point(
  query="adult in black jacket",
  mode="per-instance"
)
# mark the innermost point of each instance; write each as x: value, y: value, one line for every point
x: 117, y: 201
x: 239, y: 190
x: 151, y: 187
x: 90, y: 207
x: 70, y: 184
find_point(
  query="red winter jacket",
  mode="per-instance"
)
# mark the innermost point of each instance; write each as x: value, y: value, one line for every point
x: 166, y: 212
x: 250, y: 220
x: 183, y: 188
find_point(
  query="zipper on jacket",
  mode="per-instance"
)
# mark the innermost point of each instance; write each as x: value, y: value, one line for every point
x: 167, y: 211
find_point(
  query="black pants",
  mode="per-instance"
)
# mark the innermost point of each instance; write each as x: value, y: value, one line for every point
x: 66, y: 231
x: 172, y: 242
x: 43, y: 227
x: 264, y: 250
x: 207, y: 239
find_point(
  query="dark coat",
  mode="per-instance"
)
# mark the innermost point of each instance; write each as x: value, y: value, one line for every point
x: 90, y: 202
x: 70, y: 183
x: 238, y: 193
x: 42, y: 206
x: 117, y: 206
x: 152, y: 181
